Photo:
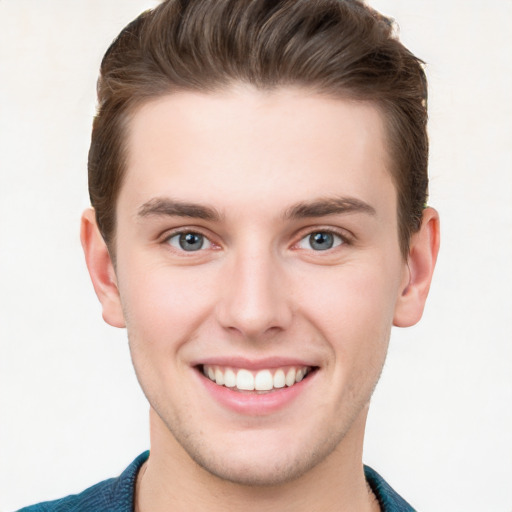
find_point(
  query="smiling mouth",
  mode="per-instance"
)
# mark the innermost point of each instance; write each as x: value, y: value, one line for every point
x: 261, y: 381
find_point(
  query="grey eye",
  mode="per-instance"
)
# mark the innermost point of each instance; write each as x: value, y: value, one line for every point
x: 320, y: 241
x: 189, y: 241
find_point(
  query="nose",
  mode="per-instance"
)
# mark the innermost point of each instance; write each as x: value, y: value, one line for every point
x: 256, y: 300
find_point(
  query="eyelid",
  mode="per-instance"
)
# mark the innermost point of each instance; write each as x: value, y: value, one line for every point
x: 207, y: 243
x: 337, y: 241
x: 167, y: 235
x: 345, y: 236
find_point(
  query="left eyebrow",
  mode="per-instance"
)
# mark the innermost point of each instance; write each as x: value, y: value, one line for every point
x: 328, y: 206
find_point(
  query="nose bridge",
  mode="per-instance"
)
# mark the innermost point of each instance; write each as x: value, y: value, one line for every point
x: 255, y: 300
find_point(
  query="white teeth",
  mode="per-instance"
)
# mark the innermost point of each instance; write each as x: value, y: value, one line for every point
x: 229, y: 379
x: 290, y: 377
x: 245, y: 380
x: 219, y: 377
x: 262, y: 380
x: 279, y: 379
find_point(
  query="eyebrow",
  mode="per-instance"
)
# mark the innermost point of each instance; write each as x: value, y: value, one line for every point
x: 328, y: 206
x: 171, y: 207
x: 317, y: 208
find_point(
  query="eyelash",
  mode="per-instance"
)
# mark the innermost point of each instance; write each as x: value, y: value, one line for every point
x: 343, y: 239
x: 184, y: 232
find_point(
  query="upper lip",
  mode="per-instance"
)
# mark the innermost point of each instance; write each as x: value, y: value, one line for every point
x: 254, y: 364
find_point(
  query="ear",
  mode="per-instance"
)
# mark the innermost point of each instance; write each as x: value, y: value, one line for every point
x: 424, y: 246
x: 101, y: 269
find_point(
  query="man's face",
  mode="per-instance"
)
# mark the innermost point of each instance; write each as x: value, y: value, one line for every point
x: 257, y: 241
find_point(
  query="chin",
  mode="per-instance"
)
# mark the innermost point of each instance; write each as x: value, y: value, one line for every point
x: 258, y: 458
x: 264, y: 471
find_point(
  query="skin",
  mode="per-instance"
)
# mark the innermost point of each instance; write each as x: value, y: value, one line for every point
x: 258, y: 289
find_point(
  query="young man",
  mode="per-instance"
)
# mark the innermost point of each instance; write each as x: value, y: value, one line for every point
x: 258, y: 173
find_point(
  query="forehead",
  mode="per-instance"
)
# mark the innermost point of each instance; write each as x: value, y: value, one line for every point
x: 284, y: 145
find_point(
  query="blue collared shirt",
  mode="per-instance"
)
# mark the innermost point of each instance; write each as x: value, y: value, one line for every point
x: 117, y: 494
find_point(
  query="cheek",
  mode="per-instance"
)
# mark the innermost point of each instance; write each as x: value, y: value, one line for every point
x: 352, y: 307
x: 164, y: 305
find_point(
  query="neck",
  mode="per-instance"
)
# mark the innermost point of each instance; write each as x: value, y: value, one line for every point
x: 171, y: 480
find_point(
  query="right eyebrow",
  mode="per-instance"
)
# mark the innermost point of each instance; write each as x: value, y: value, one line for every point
x: 164, y: 206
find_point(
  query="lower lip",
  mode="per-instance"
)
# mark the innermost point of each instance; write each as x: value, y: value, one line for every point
x: 254, y: 404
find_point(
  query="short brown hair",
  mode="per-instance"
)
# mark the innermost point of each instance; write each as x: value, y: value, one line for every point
x: 335, y: 47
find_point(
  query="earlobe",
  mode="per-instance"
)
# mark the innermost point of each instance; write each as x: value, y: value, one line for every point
x: 424, y: 246
x: 101, y: 269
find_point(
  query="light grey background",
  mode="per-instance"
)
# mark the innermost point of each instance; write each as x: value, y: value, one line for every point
x: 440, y: 428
